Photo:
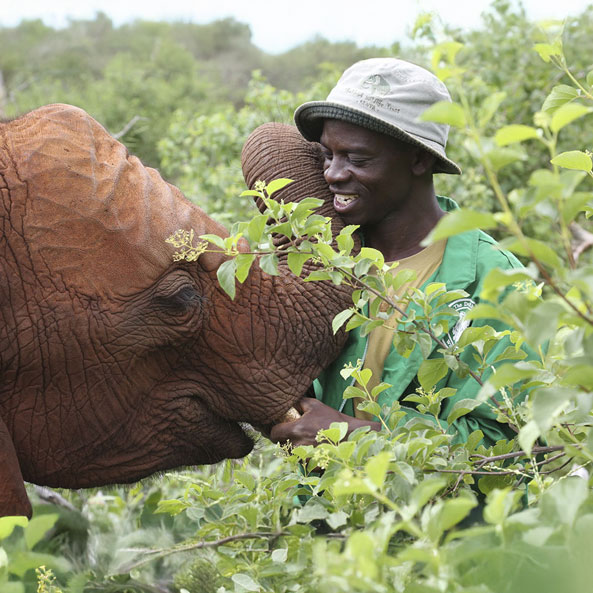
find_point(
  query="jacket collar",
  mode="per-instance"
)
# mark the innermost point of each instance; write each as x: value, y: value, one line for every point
x: 459, y: 266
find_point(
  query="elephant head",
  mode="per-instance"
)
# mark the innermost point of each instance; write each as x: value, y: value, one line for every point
x: 115, y: 361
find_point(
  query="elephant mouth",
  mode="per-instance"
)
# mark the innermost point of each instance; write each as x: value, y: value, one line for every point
x: 216, y: 436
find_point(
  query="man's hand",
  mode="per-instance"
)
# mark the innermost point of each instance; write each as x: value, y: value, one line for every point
x: 316, y: 416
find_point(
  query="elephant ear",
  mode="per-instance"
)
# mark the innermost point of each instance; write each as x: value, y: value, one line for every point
x: 13, y: 496
x: 275, y: 151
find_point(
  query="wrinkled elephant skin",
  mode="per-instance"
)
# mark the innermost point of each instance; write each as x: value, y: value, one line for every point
x: 116, y: 362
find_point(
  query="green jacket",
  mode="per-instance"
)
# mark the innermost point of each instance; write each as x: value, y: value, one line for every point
x: 467, y: 259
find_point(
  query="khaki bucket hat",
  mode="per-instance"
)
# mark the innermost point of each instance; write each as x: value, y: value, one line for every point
x: 386, y: 95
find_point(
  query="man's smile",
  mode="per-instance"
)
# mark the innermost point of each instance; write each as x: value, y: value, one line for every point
x: 342, y: 202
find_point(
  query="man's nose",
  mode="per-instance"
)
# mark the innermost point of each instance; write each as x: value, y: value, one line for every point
x: 335, y: 171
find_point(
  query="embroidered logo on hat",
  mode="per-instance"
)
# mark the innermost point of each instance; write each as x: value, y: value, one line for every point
x: 376, y: 85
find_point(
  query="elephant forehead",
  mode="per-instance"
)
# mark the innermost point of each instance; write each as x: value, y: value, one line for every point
x: 91, y: 213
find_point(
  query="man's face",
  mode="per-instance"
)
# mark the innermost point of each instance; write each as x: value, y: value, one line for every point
x: 370, y: 174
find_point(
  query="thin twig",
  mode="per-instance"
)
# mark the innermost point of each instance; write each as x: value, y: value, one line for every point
x: 48, y: 495
x: 487, y: 459
x: 128, y: 127
x: 162, y: 552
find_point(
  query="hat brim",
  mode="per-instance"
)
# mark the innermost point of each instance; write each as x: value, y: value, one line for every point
x: 309, y: 121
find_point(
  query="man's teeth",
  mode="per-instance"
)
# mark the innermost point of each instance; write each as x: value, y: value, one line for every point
x: 344, y: 199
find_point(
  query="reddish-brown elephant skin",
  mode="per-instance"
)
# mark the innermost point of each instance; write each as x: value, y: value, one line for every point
x: 115, y: 361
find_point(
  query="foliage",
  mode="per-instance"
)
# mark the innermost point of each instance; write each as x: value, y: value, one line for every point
x: 406, y: 509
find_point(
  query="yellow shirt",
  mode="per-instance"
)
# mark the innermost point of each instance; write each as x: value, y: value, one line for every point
x: 380, y: 340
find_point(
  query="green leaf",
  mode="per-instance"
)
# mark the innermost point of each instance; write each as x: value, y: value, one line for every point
x: 514, y: 133
x: 7, y: 525
x: 503, y: 156
x: 566, y: 114
x: 454, y: 511
x: 245, y: 478
x: 354, y: 322
x: 474, y: 334
x: 425, y: 342
x: 245, y: 581
x: 21, y: 562
x: 345, y: 450
x: 460, y: 221
x: 497, y: 280
x: 337, y: 519
x: 250, y: 192
x: 215, y: 240
x: 573, y: 159
x: 380, y: 388
x: 461, y: 408
x: 269, y: 264
x: 547, y: 403
x: 318, y: 276
x: 445, y: 112
x: 373, y: 254
x: 425, y: 490
x: 244, y: 261
x: 528, y: 434
x: 490, y: 106
x: 352, y: 391
x: 255, y: 228
x: 474, y: 439
x: 345, y: 242
x: 376, y: 468
x: 548, y: 50
x: 500, y: 505
x: 340, y: 319
x: 280, y: 555
x: 580, y: 375
x: 534, y: 248
x: 590, y: 78
x: 226, y: 276
x: 564, y: 500
x: 542, y: 321
x: 336, y: 432
x: 370, y: 407
x: 346, y: 484
x: 38, y: 527
x: 431, y: 371
x: 326, y: 251
x: 284, y: 228
x: 172, y: 507
x: 277, y: 185
x: 559, y: 95
x: 509, y: 373
x: 306, y: 207
x: 296, y: 261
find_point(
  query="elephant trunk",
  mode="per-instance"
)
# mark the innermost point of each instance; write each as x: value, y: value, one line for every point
x: 295, y: 316
x: 275, y: 151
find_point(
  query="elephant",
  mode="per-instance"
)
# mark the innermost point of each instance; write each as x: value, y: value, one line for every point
x: 116, y: 361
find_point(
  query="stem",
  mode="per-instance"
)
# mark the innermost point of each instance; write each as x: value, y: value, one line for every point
x: 162, y: 552
x: 538, y: 450
x: 560, y: 64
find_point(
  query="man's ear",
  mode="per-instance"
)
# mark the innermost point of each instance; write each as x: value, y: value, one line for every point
x: 423, y: 162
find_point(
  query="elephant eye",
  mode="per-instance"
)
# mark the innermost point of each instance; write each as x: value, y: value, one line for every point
x: 178, y: 297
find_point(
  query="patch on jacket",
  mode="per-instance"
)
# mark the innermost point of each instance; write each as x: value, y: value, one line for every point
x: 461, y: 306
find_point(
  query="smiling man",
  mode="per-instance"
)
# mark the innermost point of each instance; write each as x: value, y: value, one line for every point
x: 379, y: 162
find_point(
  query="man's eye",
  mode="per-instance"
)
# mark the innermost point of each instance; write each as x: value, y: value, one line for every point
x: 357, y: 161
